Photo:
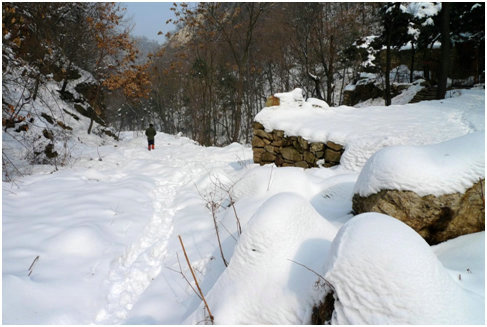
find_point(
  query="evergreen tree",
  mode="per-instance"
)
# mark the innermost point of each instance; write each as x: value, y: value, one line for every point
x: 467, y: 25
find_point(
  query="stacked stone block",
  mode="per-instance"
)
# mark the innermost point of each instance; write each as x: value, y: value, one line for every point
x: 292, y: 151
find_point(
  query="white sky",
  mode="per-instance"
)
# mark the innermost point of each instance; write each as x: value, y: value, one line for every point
x: 149, y: 18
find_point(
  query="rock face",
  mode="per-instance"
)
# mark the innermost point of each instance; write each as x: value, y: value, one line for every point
x: 362, y: 92
x: 322, y: 313
x: 272, y: 101
x: 436, y: 219
x: 275, y: 147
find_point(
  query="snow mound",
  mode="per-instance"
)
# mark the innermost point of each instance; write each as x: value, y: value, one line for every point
x: 464, y: 256
x: 291, y: 98
x: 317, y: 103
x: 261, y: 284
x: 79, y: 240
x: 444, y: 168
x: 383, y: 272
x: 265, y: 181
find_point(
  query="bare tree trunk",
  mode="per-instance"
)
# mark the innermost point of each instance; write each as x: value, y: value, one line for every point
x: 330, y: 73
x: 445, y: 49
x: 91, y: 125
x: 388, y: 69
x: 95, y: 104
x: 317, y: 82
x: 477, y: 66
x: 121, y: 126
x: 36, y: 88
x: 426, y: 64
x: 411, y: 73
x: 238, y: 106
x: 330, y: 89
x: 65, y: 82
x: 345, y: 71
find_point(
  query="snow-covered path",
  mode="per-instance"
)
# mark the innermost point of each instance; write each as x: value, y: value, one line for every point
x: 130, y: 275
x: 173, y: 167
x: 131, y: 197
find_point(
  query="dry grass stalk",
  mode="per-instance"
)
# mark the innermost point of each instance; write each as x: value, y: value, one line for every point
x: 31, y: 268
x: 213, y: 204
x: 195, y: 280
x: 180, y: 271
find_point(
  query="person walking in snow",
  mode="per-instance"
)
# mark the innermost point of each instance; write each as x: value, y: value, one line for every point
x: 150, y: 133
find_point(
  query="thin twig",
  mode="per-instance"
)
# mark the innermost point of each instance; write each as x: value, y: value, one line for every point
x: 213, y: 206
x: 195, y: 280
x: 229, y: 233
x: 31, y: 268
x: 270, y: 177
x: 314, y: 272
x: 232, y: 203
x: 99, y: 157
x: 4, y: 155
x: 184, y: 276
x: 228, y: 189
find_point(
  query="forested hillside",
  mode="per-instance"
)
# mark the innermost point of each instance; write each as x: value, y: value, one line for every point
x: 217, y: 71
x: 214, y: 74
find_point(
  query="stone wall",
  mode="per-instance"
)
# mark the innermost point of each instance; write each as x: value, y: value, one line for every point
x: 292, y: 151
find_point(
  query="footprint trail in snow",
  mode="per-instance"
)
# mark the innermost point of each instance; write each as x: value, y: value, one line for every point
x: 143, y: 260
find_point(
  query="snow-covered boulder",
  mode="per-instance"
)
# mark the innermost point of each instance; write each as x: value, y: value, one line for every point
x: 364, y: 89
x: 317, y: 103
x: 436, y: 219
x: 437, y: 189
x: 291, y: 99
x: 380, y: 271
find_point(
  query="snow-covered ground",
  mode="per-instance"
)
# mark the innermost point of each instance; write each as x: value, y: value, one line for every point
x: 363, y: 131
x: 105, y: 232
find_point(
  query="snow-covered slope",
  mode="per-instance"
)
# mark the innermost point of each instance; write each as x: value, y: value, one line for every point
x: 105, y: 233
x: 48, y: 120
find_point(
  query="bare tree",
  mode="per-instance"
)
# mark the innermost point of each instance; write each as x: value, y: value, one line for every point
x: 445, y: 49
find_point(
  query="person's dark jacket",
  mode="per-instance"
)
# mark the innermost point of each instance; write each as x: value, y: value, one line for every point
x: 151, y: 133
